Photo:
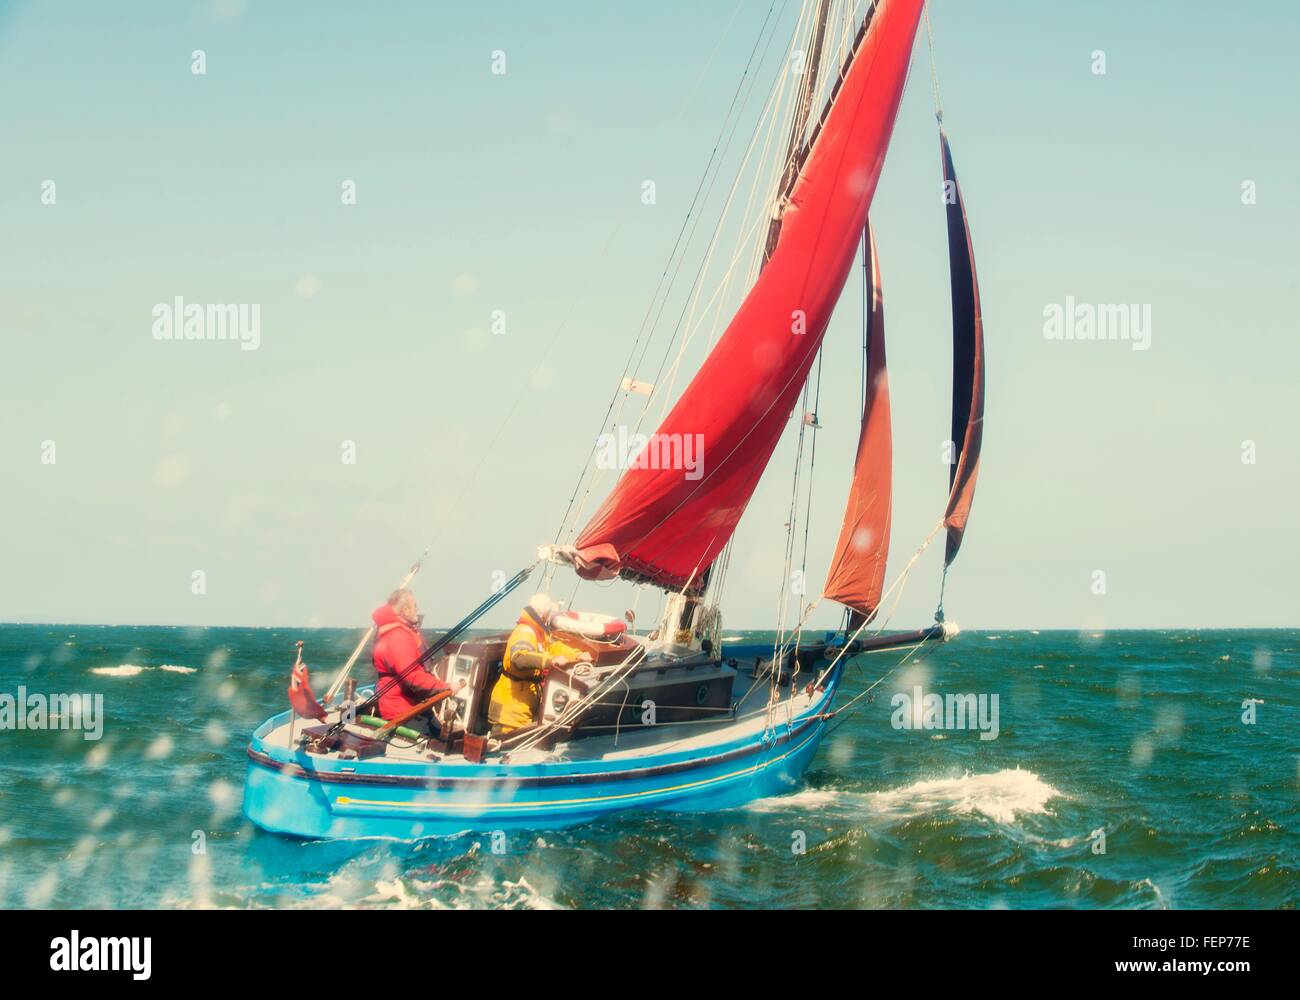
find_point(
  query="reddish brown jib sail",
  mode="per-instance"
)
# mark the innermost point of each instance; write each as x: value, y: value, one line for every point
x: 857, y: 575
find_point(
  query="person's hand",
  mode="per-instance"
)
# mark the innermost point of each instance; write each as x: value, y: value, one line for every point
x: 584, y: 657
x: 560, y: 661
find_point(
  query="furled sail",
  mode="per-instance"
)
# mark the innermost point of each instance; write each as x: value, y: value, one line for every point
x: 664, y: 523
x: 857, y: 575
x: 967, y: 361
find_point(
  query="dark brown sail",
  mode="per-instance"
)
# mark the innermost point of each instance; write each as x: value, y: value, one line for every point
x: 967, y: 361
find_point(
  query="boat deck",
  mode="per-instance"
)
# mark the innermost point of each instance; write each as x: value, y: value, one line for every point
x: 749, y: 721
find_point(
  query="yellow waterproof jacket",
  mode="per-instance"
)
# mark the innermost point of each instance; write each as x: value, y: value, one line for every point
x: 519, y: 688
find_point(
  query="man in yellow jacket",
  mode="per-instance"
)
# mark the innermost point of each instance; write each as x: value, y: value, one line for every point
x: 530, y: 652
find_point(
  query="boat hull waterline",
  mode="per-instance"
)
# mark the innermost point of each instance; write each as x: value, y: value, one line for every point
x: 289, y: 791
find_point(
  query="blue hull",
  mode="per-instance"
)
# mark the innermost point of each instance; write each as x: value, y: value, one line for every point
x: 295, y: 793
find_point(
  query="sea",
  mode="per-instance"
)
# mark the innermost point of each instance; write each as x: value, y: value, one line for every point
x: 1147, y: 769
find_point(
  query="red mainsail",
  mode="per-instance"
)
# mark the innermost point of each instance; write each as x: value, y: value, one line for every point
x: 967, y: 361
x: 857, y: 575
x: 667, y: 525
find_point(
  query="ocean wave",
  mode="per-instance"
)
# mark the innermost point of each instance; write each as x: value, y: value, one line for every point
x: 121, y: 670
x: 134, y: 670
x: 358, y: 886
x: 1001, y: 796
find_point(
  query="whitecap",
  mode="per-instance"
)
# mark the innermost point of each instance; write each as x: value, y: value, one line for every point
x: 121, y: 670
x: 1000, y: 795
x: 173, y: 668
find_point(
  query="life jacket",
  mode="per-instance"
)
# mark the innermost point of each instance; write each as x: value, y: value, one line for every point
x: 518, y: 691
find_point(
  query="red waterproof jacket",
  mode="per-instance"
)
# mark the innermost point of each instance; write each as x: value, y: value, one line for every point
x: 397, y: 646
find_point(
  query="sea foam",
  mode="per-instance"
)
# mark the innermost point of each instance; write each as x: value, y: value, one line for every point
x: 121, y: 670
x: 1000, y: 795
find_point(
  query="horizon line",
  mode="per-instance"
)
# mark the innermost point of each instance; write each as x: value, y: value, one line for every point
x: 438, y: 628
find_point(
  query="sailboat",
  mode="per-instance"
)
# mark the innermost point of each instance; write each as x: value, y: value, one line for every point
x: 674, y: 718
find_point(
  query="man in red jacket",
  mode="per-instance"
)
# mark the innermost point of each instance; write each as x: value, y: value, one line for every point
x: 397, y: 646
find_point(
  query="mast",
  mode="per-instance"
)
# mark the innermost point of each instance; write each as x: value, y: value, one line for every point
x: 793, y: 158
x: 812, y: 64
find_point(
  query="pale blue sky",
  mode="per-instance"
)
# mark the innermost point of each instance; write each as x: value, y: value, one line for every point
x: 522, y: 193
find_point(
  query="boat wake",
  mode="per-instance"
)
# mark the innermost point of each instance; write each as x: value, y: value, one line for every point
x: 824, y: 802
x: 369, y: 883
x: 1001, y: 796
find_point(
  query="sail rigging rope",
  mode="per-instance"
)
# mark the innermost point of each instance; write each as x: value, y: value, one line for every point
x: 775, y: 113
x: 843, y: 709
x: 812, y: 466
x: 804, y: 608
x: 700, y: 485
x: 774, y: 688
x: 849, y: 17
x: 899, y: 582
x: 659, y: 389
x: 848, y: 38
x: 934, y: 69
x: 604, y: 252
x: 718, y: 298
x: 697, y: 283
x: 666, y: 282
x: 826, y: 83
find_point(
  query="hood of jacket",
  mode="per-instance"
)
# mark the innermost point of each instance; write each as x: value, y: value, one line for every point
x: 385, y: 615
